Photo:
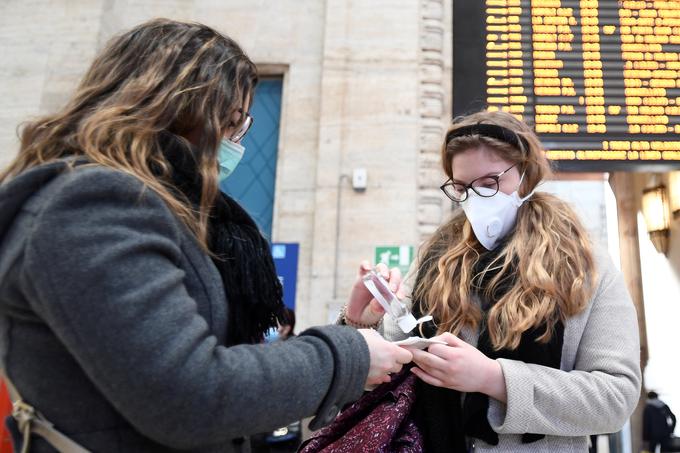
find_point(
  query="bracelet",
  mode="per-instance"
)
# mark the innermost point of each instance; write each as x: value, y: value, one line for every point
x: 357, y: 325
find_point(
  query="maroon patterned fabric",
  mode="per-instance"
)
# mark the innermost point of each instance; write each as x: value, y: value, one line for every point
x: 380, y: 421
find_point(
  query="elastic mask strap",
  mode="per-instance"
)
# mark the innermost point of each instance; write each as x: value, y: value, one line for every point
x: 522, y: 200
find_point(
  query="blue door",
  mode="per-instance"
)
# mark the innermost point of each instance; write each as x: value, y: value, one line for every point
x: 253, y: 182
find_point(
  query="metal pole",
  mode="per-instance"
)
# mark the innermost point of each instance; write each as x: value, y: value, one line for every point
x: 337, y: 234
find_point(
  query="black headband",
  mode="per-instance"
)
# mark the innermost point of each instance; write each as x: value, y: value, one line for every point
x: 490, y: 130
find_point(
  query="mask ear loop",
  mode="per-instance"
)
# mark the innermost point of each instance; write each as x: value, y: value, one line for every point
x: 522, y: 200
x: 523, y: 147
x: 521, y: 178
x: 421, y: 323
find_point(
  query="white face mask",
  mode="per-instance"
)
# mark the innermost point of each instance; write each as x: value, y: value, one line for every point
x: 493, y: 217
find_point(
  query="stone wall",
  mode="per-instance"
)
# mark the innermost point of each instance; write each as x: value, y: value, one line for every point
x: 365, y: 86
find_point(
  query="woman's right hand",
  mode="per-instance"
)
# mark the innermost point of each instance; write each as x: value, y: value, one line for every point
x: 386, y: 358
x: 362, y: 308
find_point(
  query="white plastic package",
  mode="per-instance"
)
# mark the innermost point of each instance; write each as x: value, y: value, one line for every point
x: 380, y: 289
x: 418, y: 343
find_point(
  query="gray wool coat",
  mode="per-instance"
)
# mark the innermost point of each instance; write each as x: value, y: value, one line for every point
x: 113, y: 320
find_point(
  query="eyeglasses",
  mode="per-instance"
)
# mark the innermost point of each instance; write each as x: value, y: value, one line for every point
x: 246, y: 124
x: 459, y: 192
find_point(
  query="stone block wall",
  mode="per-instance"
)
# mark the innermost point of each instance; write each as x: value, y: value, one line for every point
x: 365, y: 85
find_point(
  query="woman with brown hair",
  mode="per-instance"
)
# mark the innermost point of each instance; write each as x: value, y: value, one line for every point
x: 542, y: 338
x: 133, y: 294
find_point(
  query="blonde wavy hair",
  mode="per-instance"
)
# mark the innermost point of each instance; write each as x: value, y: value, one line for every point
x: 161, y: 76
x: 548, y: 259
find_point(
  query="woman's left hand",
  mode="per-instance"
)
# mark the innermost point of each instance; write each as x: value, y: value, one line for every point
x: 459, y: 366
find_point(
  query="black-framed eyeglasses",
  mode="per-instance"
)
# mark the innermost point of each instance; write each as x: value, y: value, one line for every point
x: 458, y: 192
x: 246, y: 124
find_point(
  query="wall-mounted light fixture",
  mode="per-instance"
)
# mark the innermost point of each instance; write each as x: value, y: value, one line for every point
x: 674, y: 193
x: 657, y: 218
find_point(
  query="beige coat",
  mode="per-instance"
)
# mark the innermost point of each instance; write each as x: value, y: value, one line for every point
x: 596, y: 388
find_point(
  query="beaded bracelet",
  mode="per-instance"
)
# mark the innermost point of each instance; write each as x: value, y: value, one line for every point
x: 356, y: 325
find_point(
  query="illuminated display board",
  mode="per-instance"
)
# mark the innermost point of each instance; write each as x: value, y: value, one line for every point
x: 599, y: 80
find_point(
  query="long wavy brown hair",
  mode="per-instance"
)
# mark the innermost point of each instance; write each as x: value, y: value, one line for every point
x: 548, y: 257
x: 161, y: 76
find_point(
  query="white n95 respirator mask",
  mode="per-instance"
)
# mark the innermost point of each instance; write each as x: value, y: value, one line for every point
x: 494, y: 216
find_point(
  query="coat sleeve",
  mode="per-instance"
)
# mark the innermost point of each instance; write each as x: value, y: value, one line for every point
x: 602, y: 391
x: 102, y: 266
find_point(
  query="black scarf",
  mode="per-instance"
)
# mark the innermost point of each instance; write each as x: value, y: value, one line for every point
x: 444, y: 420
x: 241, y: 254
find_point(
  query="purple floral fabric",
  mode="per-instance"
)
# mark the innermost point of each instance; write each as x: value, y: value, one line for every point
x: 380, y: 421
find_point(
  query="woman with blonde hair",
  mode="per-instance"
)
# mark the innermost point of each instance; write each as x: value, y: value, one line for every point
x: 542, y: 343
x: 133, y: 294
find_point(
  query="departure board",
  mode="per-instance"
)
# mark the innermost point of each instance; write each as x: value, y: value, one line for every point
x: 598, y: 80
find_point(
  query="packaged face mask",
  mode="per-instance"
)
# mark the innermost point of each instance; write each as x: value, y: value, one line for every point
x: 418, y: 343
x: 380, y: 290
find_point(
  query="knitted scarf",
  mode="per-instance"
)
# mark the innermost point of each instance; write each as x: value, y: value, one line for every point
x: 240, y: 252
x: 445, y: 420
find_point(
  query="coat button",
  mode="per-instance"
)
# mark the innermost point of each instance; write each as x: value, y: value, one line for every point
x: 332, y: 413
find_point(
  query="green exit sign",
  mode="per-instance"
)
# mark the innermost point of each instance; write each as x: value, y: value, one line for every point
x: 400, y: 256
